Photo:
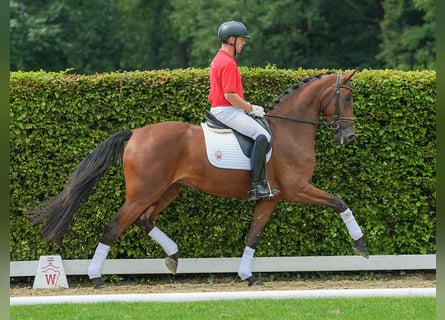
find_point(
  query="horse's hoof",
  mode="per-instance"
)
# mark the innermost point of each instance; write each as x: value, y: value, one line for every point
x: 360, y: 248
x: 171, y: 262
x: 253, y: 281
x: 98, y: 283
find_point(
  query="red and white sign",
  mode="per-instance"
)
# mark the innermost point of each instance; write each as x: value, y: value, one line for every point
x: 50, y: 273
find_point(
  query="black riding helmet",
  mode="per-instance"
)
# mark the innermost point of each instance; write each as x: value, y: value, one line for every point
x: 232, y: 28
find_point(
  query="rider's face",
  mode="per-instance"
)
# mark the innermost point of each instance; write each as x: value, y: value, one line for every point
x: 239, y: 42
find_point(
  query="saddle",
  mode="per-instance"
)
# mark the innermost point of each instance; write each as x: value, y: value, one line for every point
x: 245, y: 142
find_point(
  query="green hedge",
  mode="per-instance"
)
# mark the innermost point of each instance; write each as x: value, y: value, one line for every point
x: 387, y: 176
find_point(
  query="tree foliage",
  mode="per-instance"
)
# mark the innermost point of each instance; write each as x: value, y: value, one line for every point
x: 408, y: 34
x: 108, y: 35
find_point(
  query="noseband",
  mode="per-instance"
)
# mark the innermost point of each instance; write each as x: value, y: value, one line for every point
x: 335, y: 123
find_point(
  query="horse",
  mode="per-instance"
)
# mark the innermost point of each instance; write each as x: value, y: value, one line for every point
x: 159, y: 159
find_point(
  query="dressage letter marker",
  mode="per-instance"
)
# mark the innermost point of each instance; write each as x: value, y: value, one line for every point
x: 50, y: 273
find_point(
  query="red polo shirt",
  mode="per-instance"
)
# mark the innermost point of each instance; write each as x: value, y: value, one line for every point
x: 224, y: 77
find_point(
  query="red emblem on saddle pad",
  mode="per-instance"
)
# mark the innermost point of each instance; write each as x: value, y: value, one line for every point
x: 218, y: 155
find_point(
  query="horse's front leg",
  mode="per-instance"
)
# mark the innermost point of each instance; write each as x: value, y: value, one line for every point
x: 313, y: 195
x: 261, y: 215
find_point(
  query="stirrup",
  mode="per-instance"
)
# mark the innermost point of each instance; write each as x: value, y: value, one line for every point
x: 261, y: 190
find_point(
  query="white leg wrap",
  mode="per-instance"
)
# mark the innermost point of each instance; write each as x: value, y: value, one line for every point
x: 246, y: 260
x: 169, y: 246
x: 97, y: 263
x: 353, y: 228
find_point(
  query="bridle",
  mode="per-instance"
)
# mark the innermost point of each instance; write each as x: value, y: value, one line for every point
x: 335, y: 123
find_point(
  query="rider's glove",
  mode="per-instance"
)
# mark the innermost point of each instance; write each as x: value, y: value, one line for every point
x: 257, y: 111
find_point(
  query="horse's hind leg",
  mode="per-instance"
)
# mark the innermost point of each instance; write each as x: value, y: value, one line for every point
x: 145, y: 221
x: 114, y: 228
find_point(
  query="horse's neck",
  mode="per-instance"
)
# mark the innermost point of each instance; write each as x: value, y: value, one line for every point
x: 301, y: 110
x: 296, y: 135
x: 304, y: 103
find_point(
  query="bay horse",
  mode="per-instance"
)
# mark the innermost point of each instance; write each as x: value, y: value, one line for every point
x: 159, y: 159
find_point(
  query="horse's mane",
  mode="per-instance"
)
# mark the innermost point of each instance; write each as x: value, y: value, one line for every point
x: 297, y: 86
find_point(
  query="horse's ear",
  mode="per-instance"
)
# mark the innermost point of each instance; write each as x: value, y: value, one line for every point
x: 350, y: 74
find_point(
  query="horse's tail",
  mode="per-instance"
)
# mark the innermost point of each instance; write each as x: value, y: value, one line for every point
x: 58, y: 212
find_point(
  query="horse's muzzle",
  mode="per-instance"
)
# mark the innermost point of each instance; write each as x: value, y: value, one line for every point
x: 345, y: 135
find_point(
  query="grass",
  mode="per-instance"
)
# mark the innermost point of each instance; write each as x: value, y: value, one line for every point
x: 317, y: 309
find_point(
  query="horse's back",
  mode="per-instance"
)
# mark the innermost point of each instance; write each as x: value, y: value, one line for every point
x: 161, y: 154
x: 164, y: 137
x: 164, y: 146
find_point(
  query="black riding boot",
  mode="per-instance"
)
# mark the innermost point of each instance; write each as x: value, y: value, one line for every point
x: 259, y: 188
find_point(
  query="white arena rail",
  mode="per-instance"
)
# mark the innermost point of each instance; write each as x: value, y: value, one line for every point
x: 230, y: 265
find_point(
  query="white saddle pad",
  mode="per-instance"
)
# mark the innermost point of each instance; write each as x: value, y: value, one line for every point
x: 223, y: 150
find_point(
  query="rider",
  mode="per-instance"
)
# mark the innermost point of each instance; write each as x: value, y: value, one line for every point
x: 228, y: 105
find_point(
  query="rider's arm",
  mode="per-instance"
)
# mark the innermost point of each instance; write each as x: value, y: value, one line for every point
x: 237, y: 101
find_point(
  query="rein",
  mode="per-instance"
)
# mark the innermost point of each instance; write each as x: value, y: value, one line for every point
x: 326, y: 124
x: 334, y: 124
